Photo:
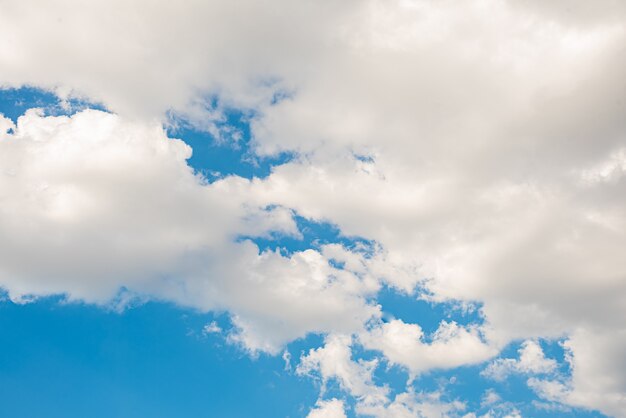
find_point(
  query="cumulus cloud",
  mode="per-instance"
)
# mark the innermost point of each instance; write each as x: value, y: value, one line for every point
x: 92, y: 203
x: 480, y: 145
x: 334, y: 362
x: 531, y: 361
x: 411, y: 404
x: 146, y: 58
x: 332, y: 408
x: 597, y: 380
x: 450, y: 345
x: 496, y: 407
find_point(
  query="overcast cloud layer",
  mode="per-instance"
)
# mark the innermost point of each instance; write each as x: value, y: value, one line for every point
x: 481, y: 145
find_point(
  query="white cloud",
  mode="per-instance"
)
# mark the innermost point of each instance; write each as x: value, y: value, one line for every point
x: 212, y: 328
x: 597, y: 381
x: 332, y: 408
x: 450, y: 346
x: 334, y: 361
x: 531, y: 361
x: 495, y: 131
x: 145, y: 58
x: 92, y: 203
x: 490, y: 397
x: 496, y: 407
x: 410, y: 404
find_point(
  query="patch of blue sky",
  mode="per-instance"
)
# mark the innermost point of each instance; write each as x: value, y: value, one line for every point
x: 514, y: 389
x: 313, y: 234
x: 152, y: 360
x: 14, y: 102
x: 223, y: 145
x: 411, y: 309
x: 332, y: 389
x: 466, y: 384
x: 394, y: 377
x: 554, y: 349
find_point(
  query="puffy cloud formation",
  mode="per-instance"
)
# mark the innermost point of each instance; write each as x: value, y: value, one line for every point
x: 410, y: 404
x: 92, y: 203
x: 328, y: 409
x: 334, y: 361
x: 450, y: 346
x: 480, y: 145
x: 597, y: 380
x: 531, y: 361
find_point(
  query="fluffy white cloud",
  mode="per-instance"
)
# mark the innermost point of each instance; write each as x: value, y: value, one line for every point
x: 597, y: 381
x: 332, y: 408
x: 334, y: 361
x: 148, y: 57
x: 496, y: 171
x: 450, y: 345
x: 410, y: 405
x: 481, y: 145
x: 92, y: 203
x: 490, y: 397
x: 496, y: 407
x: 531, y: 361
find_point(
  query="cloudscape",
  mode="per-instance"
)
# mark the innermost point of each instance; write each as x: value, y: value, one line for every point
x: 313, y: 208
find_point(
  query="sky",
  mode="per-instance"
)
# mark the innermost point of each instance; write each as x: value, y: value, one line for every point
x: 315, y: 209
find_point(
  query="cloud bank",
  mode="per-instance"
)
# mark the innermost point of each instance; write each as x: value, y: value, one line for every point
x: 481, y: 146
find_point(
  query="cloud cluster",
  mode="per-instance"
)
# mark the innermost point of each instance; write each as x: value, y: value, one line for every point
x: 481, y: 146
x: 597, y: 379
x: 531, y: 361
x: 328, y: 409
x: 92, y: 203
x: 451, y: 346
x: 333, y: 362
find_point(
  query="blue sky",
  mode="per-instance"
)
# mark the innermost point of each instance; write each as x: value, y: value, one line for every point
x: 315, y: 209
x: 154, y: 358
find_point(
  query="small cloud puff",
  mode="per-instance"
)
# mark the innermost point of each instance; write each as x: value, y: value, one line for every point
x: 531, y: 361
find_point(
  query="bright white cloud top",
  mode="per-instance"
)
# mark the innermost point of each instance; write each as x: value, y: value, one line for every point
x: 481, y: 145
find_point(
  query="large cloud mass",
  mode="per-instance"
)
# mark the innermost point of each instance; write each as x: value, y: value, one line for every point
x: 91, y: 204
x: 481, y: 146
